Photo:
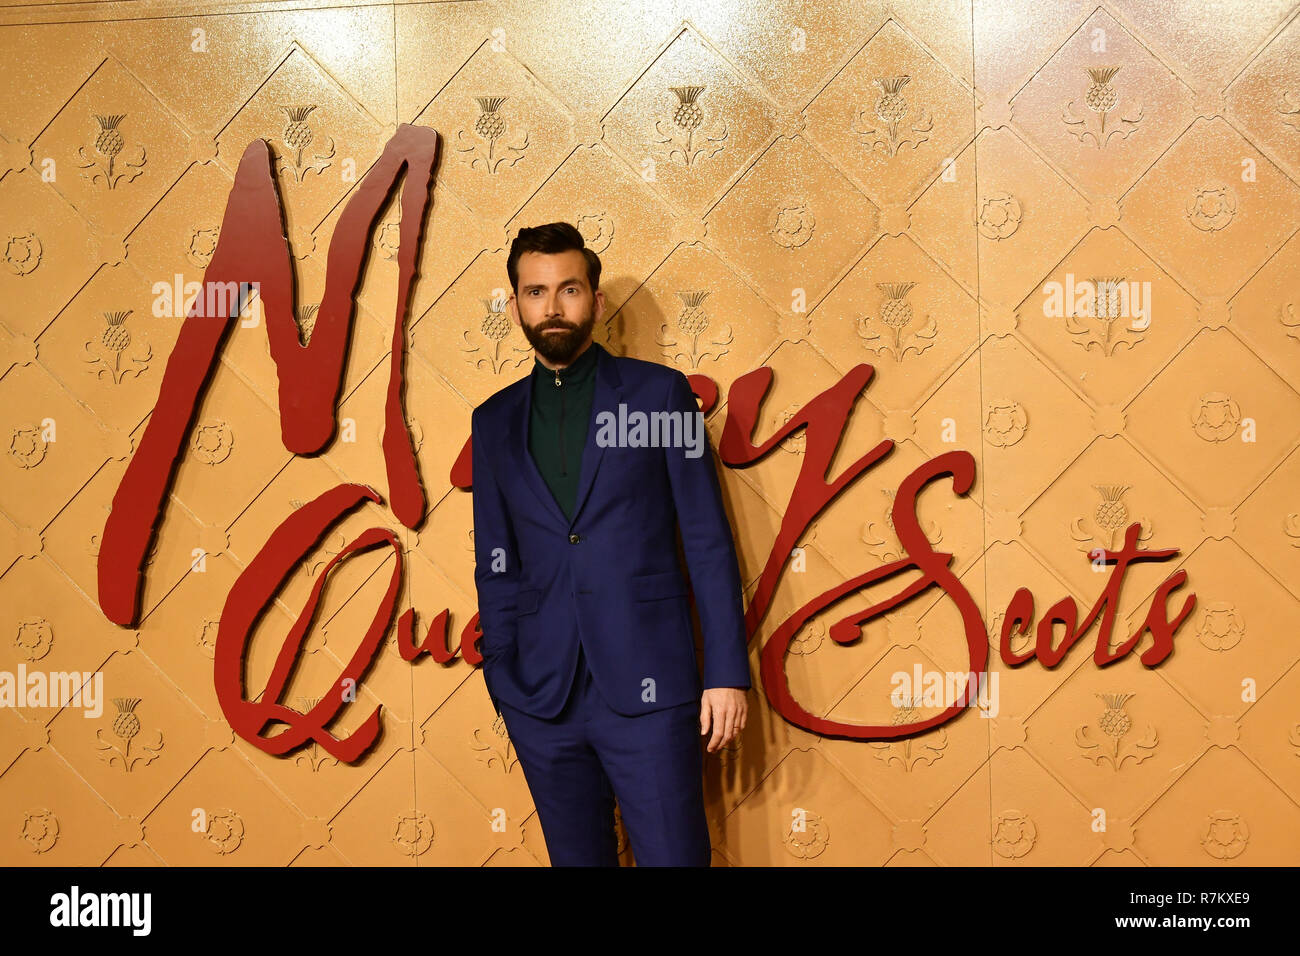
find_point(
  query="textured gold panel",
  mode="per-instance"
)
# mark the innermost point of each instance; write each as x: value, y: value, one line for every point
x: 814, y: 186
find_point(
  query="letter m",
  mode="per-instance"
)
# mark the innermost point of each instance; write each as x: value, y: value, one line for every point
x: 253, y: 253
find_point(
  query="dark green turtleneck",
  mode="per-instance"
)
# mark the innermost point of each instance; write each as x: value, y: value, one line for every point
x: 557, y: 426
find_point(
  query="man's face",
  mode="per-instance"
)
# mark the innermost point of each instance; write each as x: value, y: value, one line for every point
x: 555, y: 306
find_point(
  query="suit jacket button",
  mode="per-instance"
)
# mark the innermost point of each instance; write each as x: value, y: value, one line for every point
x: 574, y: 539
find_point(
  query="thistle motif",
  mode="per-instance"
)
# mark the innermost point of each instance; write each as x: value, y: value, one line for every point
x: 297, y: 136
x: 116, y: 338
x: 113, y: 355
x: 1109, y: 519
x: 109, y: 144
x: 490, y: 126
x: 881, y: 538
x: 317, y: 559
x: 1111, y: 513
x: 1102, y: 329
x: 312, y: 754
x: 891, y: 109
x: 494, y: 329
x: 896, y: 315
x: 1101, y: 96
x: 1115, y: 723
x: 1019, y: 642
x: 306, y: 316
x: 688, y: 119
x: 126, y: 727
x: 1101, y: 100
x: 692, y: 322
x: 911, y: 751
x: 496, y: 748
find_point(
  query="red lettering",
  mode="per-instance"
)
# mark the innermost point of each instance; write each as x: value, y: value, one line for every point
x: 252, y: 249
x: 252, y: 594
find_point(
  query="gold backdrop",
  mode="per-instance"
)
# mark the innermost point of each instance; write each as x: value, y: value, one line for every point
x: 807, y: 186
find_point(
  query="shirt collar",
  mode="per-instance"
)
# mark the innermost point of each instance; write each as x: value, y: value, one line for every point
x: 577, y: 371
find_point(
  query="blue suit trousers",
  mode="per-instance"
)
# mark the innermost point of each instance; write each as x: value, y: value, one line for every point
x: 578, y: 762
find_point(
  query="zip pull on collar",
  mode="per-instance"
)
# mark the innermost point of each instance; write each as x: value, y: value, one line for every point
x: 558, y: 383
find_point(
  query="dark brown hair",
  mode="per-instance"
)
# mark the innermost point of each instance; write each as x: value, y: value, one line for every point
x: 551, y: 238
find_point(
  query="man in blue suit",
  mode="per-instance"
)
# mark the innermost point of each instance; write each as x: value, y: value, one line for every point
x: 582, y: 472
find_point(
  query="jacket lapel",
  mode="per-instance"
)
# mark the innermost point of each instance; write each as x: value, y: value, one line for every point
x: 605, y: 395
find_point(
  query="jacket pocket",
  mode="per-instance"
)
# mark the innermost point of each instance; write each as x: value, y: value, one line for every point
x: 653, y: 587
x: 527, y: 600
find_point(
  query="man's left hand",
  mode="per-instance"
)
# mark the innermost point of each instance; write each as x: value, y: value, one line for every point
x: 722, y: 710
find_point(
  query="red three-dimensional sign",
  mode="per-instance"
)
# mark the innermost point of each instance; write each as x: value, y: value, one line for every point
x: 253, y: 254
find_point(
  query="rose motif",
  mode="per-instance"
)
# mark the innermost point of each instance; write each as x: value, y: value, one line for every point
x: 225, y: 831
x: 212, y: 442
x: 796, y: 441
x: 34, y: 638
x: 1212, y: 208
x: 1004, y: 423
x: 413, y: 833
x: 999, y: 216
x: 597, y: 231
x: 1221, y: 626
x: 23, y: 253
x: 27, y: 447
x: 791, y: 223
x: 1225, y: 836
x: 40, y: 830
x: 1014, y: 834
x: 202, y: 244
x: 1216, y: 417
x: 809, y: 841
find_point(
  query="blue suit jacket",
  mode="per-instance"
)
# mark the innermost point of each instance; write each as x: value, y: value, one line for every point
x: 611, y: 576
